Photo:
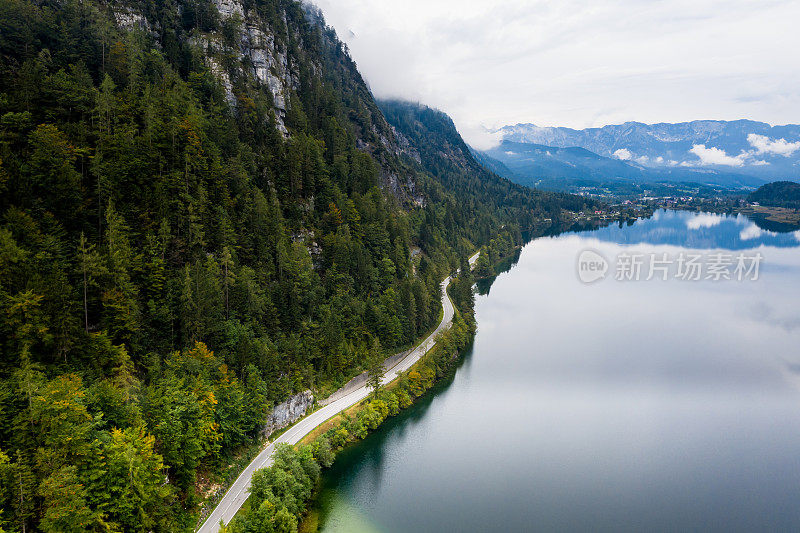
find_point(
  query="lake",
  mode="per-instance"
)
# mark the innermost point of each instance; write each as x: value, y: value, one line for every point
x: 618, y: 405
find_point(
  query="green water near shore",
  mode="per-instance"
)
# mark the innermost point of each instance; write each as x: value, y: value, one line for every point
x: 660, y: 405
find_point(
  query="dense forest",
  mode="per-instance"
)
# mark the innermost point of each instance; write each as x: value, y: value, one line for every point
x: 777, y: 194
x: 202, y: 211
x: 280, y: 495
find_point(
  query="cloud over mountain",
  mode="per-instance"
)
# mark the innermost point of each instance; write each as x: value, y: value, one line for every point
x: 761, y: 144
x: 623, y: 154
x: 765, y: 145
x: 578, y: 63
x: 715, y: 156
x: 743, y: 146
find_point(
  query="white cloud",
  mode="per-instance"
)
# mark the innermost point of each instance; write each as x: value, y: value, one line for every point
x: 642, y: 160
x: 510, y: 153
x: 478, y: 136
x: 623, y: 154
x: 659, y: 160
x: 500, y: 62
x: 765, y: 145
x: 716, y: 156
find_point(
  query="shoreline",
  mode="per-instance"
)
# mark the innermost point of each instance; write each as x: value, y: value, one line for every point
x: 309, y: 522
x: 238, y: 493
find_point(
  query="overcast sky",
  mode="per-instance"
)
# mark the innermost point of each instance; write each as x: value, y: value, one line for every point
x: 579, y: 63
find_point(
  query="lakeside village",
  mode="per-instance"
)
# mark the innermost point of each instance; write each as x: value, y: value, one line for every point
x: 628, y: 210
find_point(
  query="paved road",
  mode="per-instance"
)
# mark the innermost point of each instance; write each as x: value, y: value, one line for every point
x: 240, y: 490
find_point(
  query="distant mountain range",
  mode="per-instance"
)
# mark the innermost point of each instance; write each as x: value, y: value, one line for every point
x: 738, y: 153
x: 529, y: 164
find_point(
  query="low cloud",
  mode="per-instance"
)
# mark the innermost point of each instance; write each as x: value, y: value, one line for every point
x: 716, y: 156
x: 478, y: 136
x: 765, y: 145
x: 710, y: 155
x: 623, y: 154
x: 512, y: 61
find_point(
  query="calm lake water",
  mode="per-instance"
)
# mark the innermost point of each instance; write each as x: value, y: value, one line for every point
x: 613, y: 406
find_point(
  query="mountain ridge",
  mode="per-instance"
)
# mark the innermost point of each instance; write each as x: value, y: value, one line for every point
x: 528, y: 163
x: 741, y: 146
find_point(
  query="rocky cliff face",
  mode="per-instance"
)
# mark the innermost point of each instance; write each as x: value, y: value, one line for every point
x: 279, y: 48
x: 248, y: 49
x: 288, y: 412
x: 254, y: 54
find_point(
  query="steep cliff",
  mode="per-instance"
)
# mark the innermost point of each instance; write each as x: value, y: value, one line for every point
x: 283, y: 49
x: 482, y: 202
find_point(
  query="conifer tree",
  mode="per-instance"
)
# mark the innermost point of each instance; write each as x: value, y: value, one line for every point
x: 376, y: 370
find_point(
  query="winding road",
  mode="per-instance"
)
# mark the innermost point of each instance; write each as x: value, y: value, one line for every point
x: 238, y: 493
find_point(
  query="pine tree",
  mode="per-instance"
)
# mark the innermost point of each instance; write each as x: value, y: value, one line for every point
x: 91, y: 268
x: 24, y: 482
x: 376, y: 370
x: 228, y: 277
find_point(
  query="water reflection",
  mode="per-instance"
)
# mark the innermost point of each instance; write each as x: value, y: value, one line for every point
x: 484, y: 285
x: 615, y: 406
x: 698, y: 231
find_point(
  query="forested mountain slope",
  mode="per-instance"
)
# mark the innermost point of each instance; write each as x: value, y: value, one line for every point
x: 777, y: 194
x: 202, y: 210
x: 481, y: 201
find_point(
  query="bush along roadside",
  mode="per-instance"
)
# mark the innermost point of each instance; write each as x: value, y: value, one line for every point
x: 280, y: 494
